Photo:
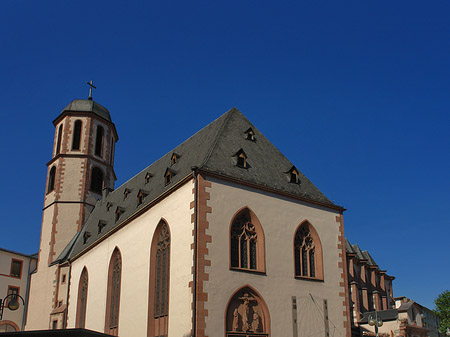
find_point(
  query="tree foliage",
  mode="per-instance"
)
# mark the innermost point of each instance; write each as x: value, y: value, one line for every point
x: 442, y: 303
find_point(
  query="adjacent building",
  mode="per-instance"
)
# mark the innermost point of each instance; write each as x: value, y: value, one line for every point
x: 15, y: 269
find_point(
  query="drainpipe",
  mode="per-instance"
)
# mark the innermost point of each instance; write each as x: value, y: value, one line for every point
x: 194, y: 280
x: 27, y: 296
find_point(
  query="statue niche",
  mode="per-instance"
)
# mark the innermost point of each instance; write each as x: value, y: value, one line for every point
x: 246, y: 315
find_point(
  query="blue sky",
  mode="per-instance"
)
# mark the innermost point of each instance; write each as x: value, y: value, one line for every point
x: 354, y: 93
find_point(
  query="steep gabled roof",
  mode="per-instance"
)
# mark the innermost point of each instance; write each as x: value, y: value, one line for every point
x: 211, y: 150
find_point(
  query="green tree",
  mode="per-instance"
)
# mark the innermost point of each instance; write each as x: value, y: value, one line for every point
x: 442, y: 303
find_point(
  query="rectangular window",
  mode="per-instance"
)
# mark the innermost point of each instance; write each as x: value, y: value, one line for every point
x: 16, y: 268
x: 12, y: 290
x: 54, y: 325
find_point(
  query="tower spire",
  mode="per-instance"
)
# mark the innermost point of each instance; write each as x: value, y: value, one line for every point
x: 91, y: 85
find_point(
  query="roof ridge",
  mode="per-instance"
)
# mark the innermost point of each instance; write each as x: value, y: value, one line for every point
x: 216, y: 140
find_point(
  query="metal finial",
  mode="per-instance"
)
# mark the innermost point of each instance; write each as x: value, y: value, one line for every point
x: 91, y: 85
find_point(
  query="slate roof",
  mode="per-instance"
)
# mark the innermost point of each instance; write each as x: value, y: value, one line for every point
x: 86, y: 105
x: 212, y: 149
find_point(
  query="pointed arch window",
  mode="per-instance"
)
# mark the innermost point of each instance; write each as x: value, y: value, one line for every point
x: 82, y: 299
x: 97, y: 180
x: 99, y: 141
x: 51, y: 179
x: 113, y: 294
x: 247, y: 315
x: 158, y: 306
x: 58, y: 141
x: 307, y: 253
x: 246, y: 242
x: 76, y: 135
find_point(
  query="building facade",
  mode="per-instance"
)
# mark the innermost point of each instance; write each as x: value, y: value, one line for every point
x: 15, y: 269
x: 222, y: 236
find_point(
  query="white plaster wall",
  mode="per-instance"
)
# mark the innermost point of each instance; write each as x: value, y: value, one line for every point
x: 134, y: 242
x: 7, y: 280
x: 279, y: 218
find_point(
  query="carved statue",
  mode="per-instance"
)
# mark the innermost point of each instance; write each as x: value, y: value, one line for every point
x: 246, y: 300
x: 235, y: 320
x: 255, y: 323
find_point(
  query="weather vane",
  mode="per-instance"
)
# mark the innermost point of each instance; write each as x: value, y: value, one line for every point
x: 91, y: 85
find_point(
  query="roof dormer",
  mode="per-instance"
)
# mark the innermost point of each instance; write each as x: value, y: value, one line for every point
x: 241, y: 159
x: 250, y: 134
x: 174, y: 159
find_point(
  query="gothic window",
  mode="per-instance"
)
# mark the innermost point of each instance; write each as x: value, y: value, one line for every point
x: 307, y: 252
x: 247, y: 315
x: 58, y: 142
x: 76, y: 135
x: 99, y: 141
x: 246, y: 242
x: 158, y: 306
x: 51, y: 179
x: 113, y: 294
x: 97, y: 180
x: 82, y: 299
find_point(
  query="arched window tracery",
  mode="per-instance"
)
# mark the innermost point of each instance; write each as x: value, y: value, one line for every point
x: 307, y: 252
x: 247, y: 315
x: 113, y: 294
x: 82, y: 299
x: 159, y: 282
x: 246, y: 242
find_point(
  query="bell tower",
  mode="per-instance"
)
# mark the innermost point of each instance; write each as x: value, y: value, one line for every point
x: 80, y: 168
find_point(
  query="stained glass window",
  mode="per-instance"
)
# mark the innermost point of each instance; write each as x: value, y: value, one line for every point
x: 243, y: 242
x: 304, y: 252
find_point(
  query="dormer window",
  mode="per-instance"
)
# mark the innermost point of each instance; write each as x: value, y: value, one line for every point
x: 101, y: 225
x: 86, y: 236
x: 119, y: 212
x: 147, y: 177
x: 140, y: 197
x: 108, y: 206
x: 174, y: 158
x: 125, y: 193
x: 168, y: 176
x: 294, y: 175
x: 250, y: 134
x: 241, y: 158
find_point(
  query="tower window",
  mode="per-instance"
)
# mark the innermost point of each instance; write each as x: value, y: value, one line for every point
x: 76, y: 135
x: 51, y: 179
x: 58, y: 142
x: 97, y: 180
x: 99, y: 141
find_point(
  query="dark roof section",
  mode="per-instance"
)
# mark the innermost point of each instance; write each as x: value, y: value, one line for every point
x: 211, y: 149
x: 86, y: 105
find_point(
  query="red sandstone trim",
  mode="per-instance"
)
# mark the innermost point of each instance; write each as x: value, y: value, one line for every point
x: 344, y: 276
x: 202, y: 251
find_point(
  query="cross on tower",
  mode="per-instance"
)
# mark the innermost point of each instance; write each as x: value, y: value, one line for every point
x: 91, y: 85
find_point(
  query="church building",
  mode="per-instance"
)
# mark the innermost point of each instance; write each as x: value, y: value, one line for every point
x: 222, y: 237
